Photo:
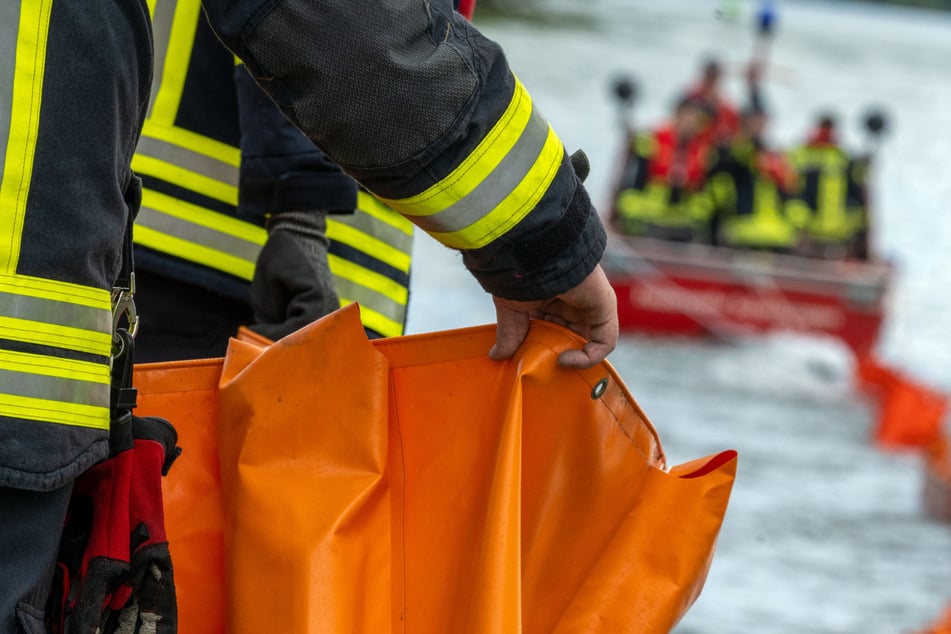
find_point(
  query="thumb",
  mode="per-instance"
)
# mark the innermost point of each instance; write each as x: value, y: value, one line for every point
x: 511, y: 328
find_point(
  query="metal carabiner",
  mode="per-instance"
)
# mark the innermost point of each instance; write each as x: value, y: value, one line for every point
x: 123, y: 305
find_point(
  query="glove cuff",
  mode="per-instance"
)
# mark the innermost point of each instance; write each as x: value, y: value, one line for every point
x: 309, y: 224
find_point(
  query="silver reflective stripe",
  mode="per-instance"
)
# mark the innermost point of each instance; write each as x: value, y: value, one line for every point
x: 356, y: 292
x: 198, y: 234
x: 54, y: 312
x: 183, y: 157
x: 9, y: 24
x: 161, y: 31
x: 401, y: 239
x: 496, y: 187
x: 46, y: 312
x: 53, y: 388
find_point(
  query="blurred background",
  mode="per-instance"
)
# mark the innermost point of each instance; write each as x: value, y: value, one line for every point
x: 825, y: 532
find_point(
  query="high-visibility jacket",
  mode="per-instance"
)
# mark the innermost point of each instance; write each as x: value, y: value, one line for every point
x: 194, y: 225
x: 749, y: 201
x: 831, y: 192
x: 73, y: 79
x: 646, y: 199
x: 441, y: 131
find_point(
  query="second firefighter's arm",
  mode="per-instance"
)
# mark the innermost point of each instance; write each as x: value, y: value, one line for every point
x: 417, y: 105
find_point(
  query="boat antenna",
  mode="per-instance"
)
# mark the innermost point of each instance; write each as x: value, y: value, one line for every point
x: 626, y: 93
x: 876, y: 124
x: 765, y: 27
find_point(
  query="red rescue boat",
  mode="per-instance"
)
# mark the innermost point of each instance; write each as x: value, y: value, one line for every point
x: 674, y: 288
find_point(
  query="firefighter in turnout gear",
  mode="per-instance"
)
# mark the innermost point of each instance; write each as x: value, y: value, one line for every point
x: 662, y: 197
x: 748, y: 188
x: 76, y: 88
x: 831, y: 194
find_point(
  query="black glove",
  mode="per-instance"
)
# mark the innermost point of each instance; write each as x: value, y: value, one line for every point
x: 292, y: 283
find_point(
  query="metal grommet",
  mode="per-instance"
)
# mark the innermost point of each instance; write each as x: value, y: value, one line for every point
x: 599, y: 388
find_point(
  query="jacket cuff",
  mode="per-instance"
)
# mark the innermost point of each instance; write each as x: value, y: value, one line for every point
x: 539, y: 265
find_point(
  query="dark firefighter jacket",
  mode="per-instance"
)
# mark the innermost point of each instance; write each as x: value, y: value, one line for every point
x: 213, y: 164
x: 407, y: 96
x: 749, y: 200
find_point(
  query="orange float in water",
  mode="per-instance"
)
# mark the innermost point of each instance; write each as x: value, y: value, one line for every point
x: 333, y: 484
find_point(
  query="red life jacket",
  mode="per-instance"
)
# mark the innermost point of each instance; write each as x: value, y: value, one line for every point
x: 692, y: 158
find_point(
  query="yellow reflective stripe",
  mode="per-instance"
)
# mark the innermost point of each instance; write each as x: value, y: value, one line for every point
x: 520, y: 202
x: 180, y: 40
x: 202, y: 217
x: 496, y: 186
x: 200, y: 183
x: 54, y: 411
x: 831, y: 204
x: 644, y: 145
x: 51, y: 389
x: 57, y: 291
x: 59, y: 314
x: 199, y: 235
x: 766, y: 199
x: 24, y: 126
x: 379, y: 249
x: 193, y: 142
x: 479, y: 164
x: 365, y: 296
x: 370, y: 279
x: 195, y: 252
x: 375, y: 321
x: 40, y: 333
x: 369, y: 204
x: 43, y: 365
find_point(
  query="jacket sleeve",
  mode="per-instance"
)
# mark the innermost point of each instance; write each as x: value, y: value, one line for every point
x: 412, y: 101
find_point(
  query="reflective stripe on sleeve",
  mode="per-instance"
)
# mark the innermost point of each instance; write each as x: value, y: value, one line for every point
x: 181, y: 37
x: 350, y: 277
x: 22, y: 126
x: 56, y: 314
x: 200, y: 154
x: 198, y: 235
x: 51, y: 388
x: 496, y: 186
x: 375, y: 229
x: 383, y: 236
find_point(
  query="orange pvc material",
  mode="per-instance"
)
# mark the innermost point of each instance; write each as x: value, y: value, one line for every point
x: 187, y: 391
x: 910, y: 415
x: 942, y: 624
x: 413, y: 485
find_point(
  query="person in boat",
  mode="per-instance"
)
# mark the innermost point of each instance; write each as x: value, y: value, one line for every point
x: 748, y: 187
x: 661, y: 197
x: 68, y: 195
x: 708, y: 89
x: 832, y: 194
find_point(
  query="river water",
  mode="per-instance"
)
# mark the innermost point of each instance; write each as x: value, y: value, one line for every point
x: 825, y: 533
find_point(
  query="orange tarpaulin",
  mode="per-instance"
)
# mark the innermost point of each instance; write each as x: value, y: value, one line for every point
x: 909, y: 413
x: 413, y: 485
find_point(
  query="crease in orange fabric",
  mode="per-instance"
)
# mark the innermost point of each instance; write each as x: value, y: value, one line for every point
x: 413, y: 485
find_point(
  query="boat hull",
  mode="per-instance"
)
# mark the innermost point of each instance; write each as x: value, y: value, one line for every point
x: 669, y: 288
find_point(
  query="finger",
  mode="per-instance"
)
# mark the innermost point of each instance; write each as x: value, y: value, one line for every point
x: 510, y: 331
x: 590, y: 355
x: 602, y: 339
